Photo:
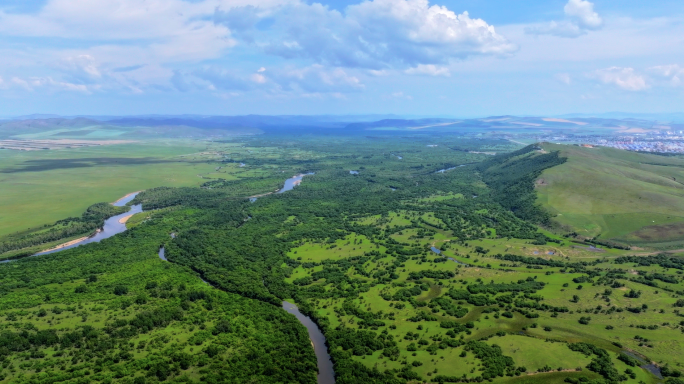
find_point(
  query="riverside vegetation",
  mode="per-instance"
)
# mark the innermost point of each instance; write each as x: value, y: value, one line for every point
x: 413, y: 275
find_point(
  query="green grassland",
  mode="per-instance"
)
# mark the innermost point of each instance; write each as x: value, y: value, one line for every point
x: 40, y: 187
x: 504, y: 300
x: 631, y: 197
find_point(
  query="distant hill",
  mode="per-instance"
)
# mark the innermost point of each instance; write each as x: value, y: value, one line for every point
x: 12, y: 128
x: 511, y: 124
x: 86, y: 128
x: 626, y: 196
x: 662, y: 117
x: 197, y: 126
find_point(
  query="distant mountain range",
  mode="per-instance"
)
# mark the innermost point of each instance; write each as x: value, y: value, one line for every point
x: 660, y: 117
x: 199, y: 126
x: 676, y: 117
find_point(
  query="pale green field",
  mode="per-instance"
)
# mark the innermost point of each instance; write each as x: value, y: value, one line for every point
x: 40, y: 187
x: 353, y: 245
x: 536, y: 353
x: 615, y: 193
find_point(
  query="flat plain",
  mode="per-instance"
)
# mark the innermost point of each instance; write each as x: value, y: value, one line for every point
x: 41, y: 187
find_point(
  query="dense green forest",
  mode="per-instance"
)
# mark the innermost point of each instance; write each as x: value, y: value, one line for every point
x: 112, y: 311
x: 412, y: 275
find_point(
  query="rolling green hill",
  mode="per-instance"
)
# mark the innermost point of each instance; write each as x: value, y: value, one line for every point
x: 630, y: 197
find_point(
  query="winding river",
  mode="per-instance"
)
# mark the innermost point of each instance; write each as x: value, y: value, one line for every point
x: 288, y: 186
x: 113, y: 226
x: 293, y: 182
x: 326, y: 374
x: 451, y: 168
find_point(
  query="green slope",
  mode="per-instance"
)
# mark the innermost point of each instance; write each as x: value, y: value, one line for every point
x: 633, y: 197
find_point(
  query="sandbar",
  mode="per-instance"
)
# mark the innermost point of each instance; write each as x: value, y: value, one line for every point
x: 132, y: 193
x: 123, y: 220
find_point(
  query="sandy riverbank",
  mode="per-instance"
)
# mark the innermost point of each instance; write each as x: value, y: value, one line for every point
x: 70, y: 243
x: 132, y: 193
x: 123, y: 220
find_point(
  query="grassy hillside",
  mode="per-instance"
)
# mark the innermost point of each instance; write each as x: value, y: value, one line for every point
x: 632, y: 197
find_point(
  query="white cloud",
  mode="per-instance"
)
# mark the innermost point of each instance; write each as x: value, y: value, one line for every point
x: 151, y: 31
x: 379, y: 72
x: 624, y: 78
x: 583, y: 12
x: 374, y: 34
x: 134, y: 46
x: 673, y: 73
x: 581, y: 18
x: 49, y: 84
x: 428, y: 69
x: 564, y: 78
x: 21, y: 83
x: 223, y: 79
x: 398, y: 95
x: 80, y: 68
x: 108, y: 19
x: 317, y: 79
x: 258, y: 78
x: 556, y: 28
x: 312, y: 80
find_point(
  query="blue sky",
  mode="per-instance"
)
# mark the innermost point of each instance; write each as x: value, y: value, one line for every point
x: 451, y: 58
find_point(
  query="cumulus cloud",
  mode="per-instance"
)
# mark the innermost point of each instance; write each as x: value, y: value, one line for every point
x: 582, y: 12
x: 374, y: 34
x: 429, y: 70
x: 134, y: 46
x: 624, y: 78
x: 580, y: 18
